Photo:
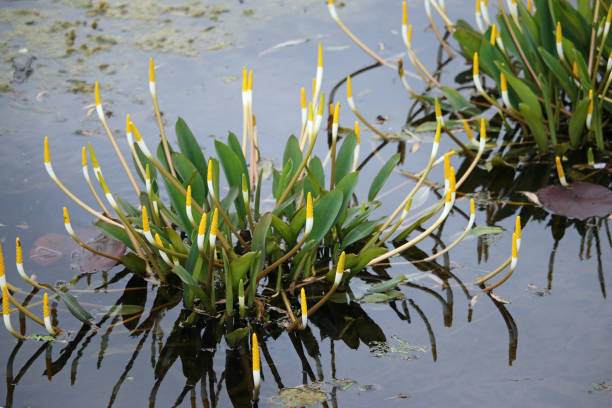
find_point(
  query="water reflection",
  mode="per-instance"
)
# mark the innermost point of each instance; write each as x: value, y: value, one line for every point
x: 195, y: 340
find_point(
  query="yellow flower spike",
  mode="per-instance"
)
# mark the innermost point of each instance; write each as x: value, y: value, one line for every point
x: 447, y: 199
x: 472, y: 207
x: 146, y: 228
x: 404, y: 14
x: 529, y: 6
x: 483, y: 129
x: 109, y: 196
x: 47, y: 315
x: 575, y: 69
x: 314, y: 88
x: 447, y: 167
x: 514, y: 248
x: 244, y: 79
x: 188, y: 198
x: 83, y: 156
x: 475, y: 65
x: 97, y: 94
x: 438, y: 130
x: 201, y: 232
x: 357, y: 133
x: 309, y: 215
x: 452, y: 181
x: 560, y: 172
x: 2, y: 277
x: 304, y: 308
x: 409, y: 33
x: 47, y: 155
x: 212, y: 238
x: 478, y: 6
x: 339, y: 269
x: 151, y: 70
x: 163, y: 255
x: 504, y: 90
x: 493, y: 34
x: 559, y: 37
x: 18, y: 252
x: 321, y: 105
x: 256, y: 371
x: 349, y: 88
x: 5, y: 302
x: 439, y: 117
x: 468, y: 130
x: 250, y: 81
x: 589, y: 118
x: 320, y: 56
x: 337, y: 112
x: 303, y: 104
x: 148, y: 178
x: 128, y: 128
x: 517, y: 226
x: 209, y: 178
x: 66, y: 216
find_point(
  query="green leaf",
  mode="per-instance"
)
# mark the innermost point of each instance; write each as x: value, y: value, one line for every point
x: 115, y: 232
x: 344, y: 160
x: 359, y: 232
x: 240, y: 266
x: 259, y: 245
x: 382, y: 176
x: 387, y: 285
x: 284, y: 230
x: 363, y: 259
x: 523, y: 90
x: 536, y: 126
x: 293, y: 153
x: 127, y: 207
x: 468, y: 38
x: 558, y: 71
x: 134, y: 263
x: 315, y: 181
x: 347, y: 186
x: 232, y: 167
x: 229, y: 289
x: 178, y: 204
x: 546, y: 24
x: 189, y: 175
x: 381, y: 297
x: 458, y: 102
x: 74, y: 307
x: 324, y: 213
x: 189, y: 281
x: 190, y: 148
x: 234, y: 144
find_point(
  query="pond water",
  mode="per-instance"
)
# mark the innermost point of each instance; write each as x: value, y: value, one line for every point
x: 550, y: 346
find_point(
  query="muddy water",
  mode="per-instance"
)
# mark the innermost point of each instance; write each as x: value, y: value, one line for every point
x: 548, y: 347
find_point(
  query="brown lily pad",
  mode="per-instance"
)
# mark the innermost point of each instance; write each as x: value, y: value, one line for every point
x: 579, y: 200
x: 85, y: 261
x: 51, y: 248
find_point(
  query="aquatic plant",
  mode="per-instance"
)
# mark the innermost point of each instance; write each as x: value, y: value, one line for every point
x: 227, y: 250
x: 550, y: 63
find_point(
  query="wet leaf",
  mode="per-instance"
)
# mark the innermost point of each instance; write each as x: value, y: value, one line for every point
x: 233, y: 338
x: 85, y: 261
x: 121, y: 310
x: 580, y: 200
x: 381, y: 297
x: 75, y: 307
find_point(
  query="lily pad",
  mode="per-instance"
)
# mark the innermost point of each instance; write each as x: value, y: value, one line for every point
x: 51, y: 248
x: 579, y: 200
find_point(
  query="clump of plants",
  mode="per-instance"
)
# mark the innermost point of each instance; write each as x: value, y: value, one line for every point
x: 231, y: 253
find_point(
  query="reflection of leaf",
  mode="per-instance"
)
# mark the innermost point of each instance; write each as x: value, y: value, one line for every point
x: 580, y: 200
x: 485, y: 230
x: 121, y: 310
x: 298, y: 397
x: 234, y: 338
x: 381, y: 297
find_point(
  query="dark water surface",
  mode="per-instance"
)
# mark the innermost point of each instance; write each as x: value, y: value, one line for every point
x: 549, y: 347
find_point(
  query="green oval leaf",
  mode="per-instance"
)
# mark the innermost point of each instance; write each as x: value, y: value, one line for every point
x: 325, y: 212
x: 382, y: 176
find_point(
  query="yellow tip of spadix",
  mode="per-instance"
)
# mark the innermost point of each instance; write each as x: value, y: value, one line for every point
x: 517, y: 227
x: 304, y: 305
x: 448, y: 196
x: 447, y: 166
x: 46, y: 305
x: 357, y: 133
x: 438, y: 130
x: 94, y: 158
x: 83, y: 156
x: 158, y: 240
x: 478, y: 6
x: 18, y: 251
x: 340, y: 267
x: 215, y: 222
x: 438, y: 110
x: 483, y: 129
x: 97, y: 94
x: 255, y: 345
x: 209, y: 175
x: 310, y: 111
x: 66, y: 216
x: 336, y: 113
x: 560, y: 171
x: 349, y: 88
x: 452, y: 180
x: 128, y: 119
x: 320, y: 56
x: 493, y: 34
x: 202, y: 226
x: 5, y: 301
x: 514, y: 246
x: 309, y: 214
x: 321, y: 104
x: 409, y: 33
x: 135, y: 132
x: 503, y: 82
x: 590, y: 109
x: 303, y: 98
x: 404, y: 14
x: 244, y: 79
x: 475, y: 66
x: 575, y: 69
x: 188, y: 198
x: 145, y: 219
x: 47, y: 155
x: 468, y: 130
x: 559, y: 36
x: 151, y: 70
x: 250, y: 82
x: 472, y: 206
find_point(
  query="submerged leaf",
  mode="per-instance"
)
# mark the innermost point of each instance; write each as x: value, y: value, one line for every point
x: 85, y: 261
x: 51, y: 248
x: 580, y: 200
x: 485, y: 230
x: 298, y: 397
